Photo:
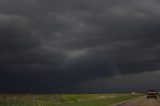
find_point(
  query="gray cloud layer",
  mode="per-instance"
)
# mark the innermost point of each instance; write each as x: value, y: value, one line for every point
x: 57, y: 45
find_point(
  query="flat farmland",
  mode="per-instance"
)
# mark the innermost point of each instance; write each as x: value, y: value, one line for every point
x: 64, y: 99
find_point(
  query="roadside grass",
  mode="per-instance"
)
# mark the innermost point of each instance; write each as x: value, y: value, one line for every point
x: 103, y: 102
x: 64, y: 99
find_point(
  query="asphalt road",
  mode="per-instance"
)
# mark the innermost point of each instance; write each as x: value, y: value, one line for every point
x: 142, y: 101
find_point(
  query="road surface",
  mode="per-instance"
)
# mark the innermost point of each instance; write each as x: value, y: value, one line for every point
x: 142, y: 101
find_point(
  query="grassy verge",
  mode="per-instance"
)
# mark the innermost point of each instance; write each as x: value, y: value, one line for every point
x: 103, y: 102
x: 64, y: 99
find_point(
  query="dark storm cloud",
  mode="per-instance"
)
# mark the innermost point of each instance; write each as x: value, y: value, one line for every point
x: 59, y: 44
x: 22, y: 58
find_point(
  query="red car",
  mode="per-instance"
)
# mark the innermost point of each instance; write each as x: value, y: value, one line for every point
x: 151, y: 94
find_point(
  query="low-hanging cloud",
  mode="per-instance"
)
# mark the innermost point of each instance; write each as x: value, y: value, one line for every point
x: 57, y: 45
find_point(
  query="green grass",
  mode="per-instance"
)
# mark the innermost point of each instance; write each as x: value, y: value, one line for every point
x: 102, y: 102
x: 64, y: 99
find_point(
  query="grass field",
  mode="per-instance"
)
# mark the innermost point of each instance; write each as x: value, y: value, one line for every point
x: 64, y: 99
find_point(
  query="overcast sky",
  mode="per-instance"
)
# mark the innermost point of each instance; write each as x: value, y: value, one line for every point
x: 79, y: 45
